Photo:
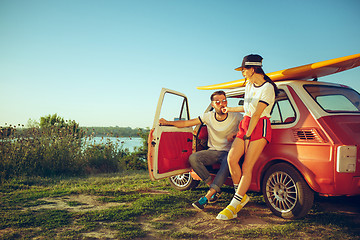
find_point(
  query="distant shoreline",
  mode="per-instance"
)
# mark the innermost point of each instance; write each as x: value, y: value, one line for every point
x: 114, y: 131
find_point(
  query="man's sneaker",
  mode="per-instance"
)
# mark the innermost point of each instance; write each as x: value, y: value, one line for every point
x: 201, y: 204
x: 215, y: 197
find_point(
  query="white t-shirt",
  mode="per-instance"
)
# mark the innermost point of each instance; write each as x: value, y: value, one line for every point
x: 253, y: 94
x: 219, y: 130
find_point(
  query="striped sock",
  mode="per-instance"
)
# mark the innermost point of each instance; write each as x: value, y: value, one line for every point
x: 236, y: 200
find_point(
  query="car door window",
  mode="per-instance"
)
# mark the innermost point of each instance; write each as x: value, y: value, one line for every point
x: 174, y: 107
x: 282, y: 112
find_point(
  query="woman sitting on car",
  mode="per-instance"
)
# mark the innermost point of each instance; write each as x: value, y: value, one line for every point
x: 254, y: 131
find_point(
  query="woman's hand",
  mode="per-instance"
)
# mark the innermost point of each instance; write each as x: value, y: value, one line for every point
x: 225, y: 109
x: 232, y: 109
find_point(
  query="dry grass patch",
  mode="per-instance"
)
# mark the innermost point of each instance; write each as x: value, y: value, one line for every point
x: 75, y: 203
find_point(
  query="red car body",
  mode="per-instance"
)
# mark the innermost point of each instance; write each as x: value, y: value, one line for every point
x: 314, y: 148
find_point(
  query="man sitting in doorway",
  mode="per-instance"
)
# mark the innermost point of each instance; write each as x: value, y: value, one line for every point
x: 222, y: 128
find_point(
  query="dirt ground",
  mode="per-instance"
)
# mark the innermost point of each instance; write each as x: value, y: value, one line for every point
x: 203, y: 222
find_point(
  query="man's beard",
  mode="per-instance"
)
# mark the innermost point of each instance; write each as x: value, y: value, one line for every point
x: 220, y: 112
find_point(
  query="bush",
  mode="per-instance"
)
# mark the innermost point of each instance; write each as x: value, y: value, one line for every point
x: 58, y: 147
x: 103, y: 158
x: 134, y: 162
x: 137, y: 160
x: 40, y: 152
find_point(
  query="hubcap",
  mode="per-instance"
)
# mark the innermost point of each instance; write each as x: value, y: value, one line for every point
x: 281, y: 191
x: 181, y: 180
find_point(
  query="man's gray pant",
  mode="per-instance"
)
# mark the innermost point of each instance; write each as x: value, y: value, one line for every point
x: 199, y: 160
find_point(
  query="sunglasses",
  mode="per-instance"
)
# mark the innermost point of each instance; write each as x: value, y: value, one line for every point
x: 219, y: 102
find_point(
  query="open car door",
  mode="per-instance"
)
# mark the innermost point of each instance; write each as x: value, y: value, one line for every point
x: 169, y: 147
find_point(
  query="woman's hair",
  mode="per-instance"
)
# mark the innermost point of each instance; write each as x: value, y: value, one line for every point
x: 259, y: 70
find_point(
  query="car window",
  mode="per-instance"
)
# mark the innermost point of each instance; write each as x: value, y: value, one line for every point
x: 235, y: 101
x: 174, y: 107
x: 282, y: 112
x: 335, y: 99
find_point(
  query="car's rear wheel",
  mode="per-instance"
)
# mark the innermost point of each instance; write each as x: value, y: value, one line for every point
x: 183, y: 182
x: 286, y: 193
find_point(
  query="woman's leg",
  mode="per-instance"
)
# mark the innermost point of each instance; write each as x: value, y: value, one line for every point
x: 252, y: 154
x: 240, y: 198
x: 235, y: 153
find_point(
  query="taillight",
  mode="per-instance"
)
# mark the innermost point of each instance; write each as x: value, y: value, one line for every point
x: 346, y: 159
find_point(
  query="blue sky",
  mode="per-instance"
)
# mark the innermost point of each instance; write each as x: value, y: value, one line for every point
x: 103, y: 63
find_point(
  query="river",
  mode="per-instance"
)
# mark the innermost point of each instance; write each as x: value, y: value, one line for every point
x: 124, y: 142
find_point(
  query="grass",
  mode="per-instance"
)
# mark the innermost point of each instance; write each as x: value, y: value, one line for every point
x: 130, y: 206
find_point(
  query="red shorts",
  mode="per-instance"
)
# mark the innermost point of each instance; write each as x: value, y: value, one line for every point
x: 262, y: 129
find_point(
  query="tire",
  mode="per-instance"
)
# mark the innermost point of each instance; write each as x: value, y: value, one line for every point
x: 183, y: 182
x: 286, y: 192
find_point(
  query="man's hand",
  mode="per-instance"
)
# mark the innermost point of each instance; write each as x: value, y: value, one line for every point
x: 162, y: 122
x: 231, y: 137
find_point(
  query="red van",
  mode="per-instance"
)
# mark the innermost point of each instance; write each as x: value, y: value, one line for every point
x: 314, y: 148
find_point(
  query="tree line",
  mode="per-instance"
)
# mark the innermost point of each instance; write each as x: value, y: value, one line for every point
x: 55, y: 120
x: 112, y: 131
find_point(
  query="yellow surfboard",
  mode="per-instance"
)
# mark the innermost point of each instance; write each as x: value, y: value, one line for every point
x: 305, y: 72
